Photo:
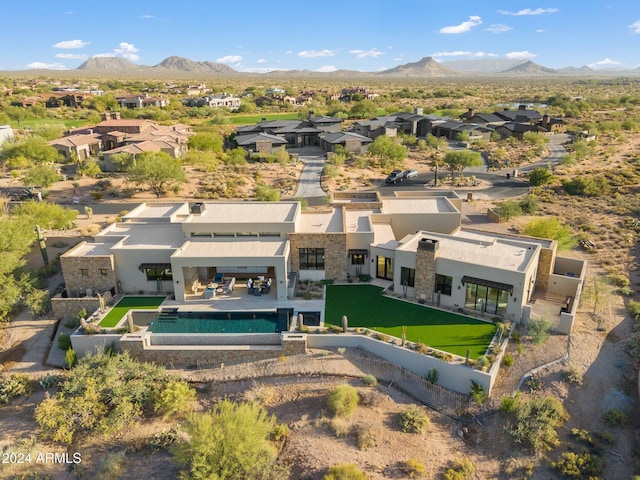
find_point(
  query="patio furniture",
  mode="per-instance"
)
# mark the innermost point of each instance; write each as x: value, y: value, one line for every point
x: 229, y: 283
x: 218, y: 278
x: 210, y: 291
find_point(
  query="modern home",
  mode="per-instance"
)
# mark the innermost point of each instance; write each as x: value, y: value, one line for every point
x: 413, y: 241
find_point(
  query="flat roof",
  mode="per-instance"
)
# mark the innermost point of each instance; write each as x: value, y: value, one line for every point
x: 417, y: 205
x: 246, y: 212
x: 145, y: 235
x: 321, y: 222
x: 358, y: 221
x: 236, y: 248
x: 150, y: 211
x: 383, y: 236
x: 479, y: 249
x: 91, y: 250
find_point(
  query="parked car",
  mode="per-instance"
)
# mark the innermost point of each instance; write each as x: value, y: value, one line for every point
x: 395, y: 177
x: 410, y: 173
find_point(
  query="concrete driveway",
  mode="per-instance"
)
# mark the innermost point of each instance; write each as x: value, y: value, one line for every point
x: 313, y: 158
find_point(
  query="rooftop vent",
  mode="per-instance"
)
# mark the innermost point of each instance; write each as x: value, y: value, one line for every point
x: 428, y: 244
x: 197, y: 208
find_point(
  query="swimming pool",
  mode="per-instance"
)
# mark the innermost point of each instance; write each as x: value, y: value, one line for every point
x: 222, y: 322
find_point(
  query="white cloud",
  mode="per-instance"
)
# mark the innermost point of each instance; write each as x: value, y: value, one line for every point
x: 288, y: 52
x: 262, y: 69
x: 457, y: 53
x: 72, y: 56
x: 261, y: 60
x: 473, y: 21
x: 540, y: 30
x: 127, y: 50
x: 316, y: 53
x: 47, y: 66
x: 518, y: 55
x: 635, y: 26
x: 230, y: 59
x: 327, y: 69
x: 498, y: 28
x: 607, y: 62
x: 71, y: 44
x: 484, y: 54
x: 147, y: 16
x: 367, y: 53
x: 528, y: 11
x: 398, y: 59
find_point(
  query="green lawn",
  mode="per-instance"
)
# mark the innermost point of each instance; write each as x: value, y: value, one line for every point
x: 251, y: 119
x: 38, y: 122
x: 129, y: 303
x: 365, y: 306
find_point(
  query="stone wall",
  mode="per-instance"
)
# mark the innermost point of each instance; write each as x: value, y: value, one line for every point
x: 66, y: 308
x: 425, y: 280
x: 335, y: 252
x: 100, y: 274
x: 545, y: 267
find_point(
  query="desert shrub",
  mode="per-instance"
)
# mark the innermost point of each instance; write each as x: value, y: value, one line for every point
x: 340, y: 426
x: 163, y: 439
x: 595, y: 186
x: 508, y: 404
x: 538, y: 331
x: 552, y: 228
x: 432, y: 376
x: 64, y: 341
x: 579, y: 465
x: 461, y: 469
x: 507, y: 210
x: 634, y: 308
x: 573, y: 376
x: 618, y: 280
x: 175, y: 399
x: 536, y: 422
x: 414, y: 420
x: 413, y: 468
x: 102, y: 394
x: 483, y: 362
x: 477, y: 393
x: 71, y: 358
x: 343, y: 400
x: 14, y: 386
x: 369, y: 380
x: 615, y: 418
x: 230, y: 441
x: 605, y: 437
x: 529, y: 204
x: 366, y: 437
x: 345, y: 471
x: 50, y: 381
x: 507, y: 360
x: 111, y: 466
x: 540, y: 176
x: 280, y: 432
x: 371, y: 398
x: 583, y: 436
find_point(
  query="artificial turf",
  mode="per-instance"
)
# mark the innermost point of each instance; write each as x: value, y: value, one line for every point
x: 129, y: 303
x: 365, y: 306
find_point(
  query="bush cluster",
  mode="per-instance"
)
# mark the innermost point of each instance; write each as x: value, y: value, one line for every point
x: 414, y: 420
x: 343, y: 400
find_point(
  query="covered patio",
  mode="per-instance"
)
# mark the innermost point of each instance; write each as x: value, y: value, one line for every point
x: 220, y: 268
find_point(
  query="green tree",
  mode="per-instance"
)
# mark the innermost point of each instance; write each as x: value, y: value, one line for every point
x: 388, y: 152
x: 90, y: 169
x: 40, y: 176
x: 507, y: 210
x: 282, y: 157
x: 47, y: 215
x: 343, y: 400
x: 540, y: 176
x: 206, y: 142
x: 230, y: 442
x: 458, y: 160
x: 158, y: 171
x: 175, y: 399
x: 265, y: 193
x: 34, y: 149
x: 363, y: 109
x: 536, y: 421
x: 551, y: 228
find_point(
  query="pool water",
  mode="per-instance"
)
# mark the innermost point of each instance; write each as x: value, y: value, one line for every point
x: 220, y: 322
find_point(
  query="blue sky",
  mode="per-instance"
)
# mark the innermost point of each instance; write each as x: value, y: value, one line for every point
x: 321, y: 36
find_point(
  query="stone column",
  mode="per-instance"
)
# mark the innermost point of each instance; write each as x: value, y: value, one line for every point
x: 425, y: 281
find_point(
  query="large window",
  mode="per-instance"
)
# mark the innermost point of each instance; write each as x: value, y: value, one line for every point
x: 486, y: 299
x: 311, y: 258
x: 385, y: 268
x: 408, y: 276
x: 443, y: 284
x: 357, y: 259
x: 159, y: 274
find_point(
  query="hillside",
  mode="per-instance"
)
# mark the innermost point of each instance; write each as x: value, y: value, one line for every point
x: 427, y: 67
x: 182, y: 64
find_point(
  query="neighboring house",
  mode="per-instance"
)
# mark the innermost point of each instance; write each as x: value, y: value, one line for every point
x: 414, y: 242
x: 72, y: 100
x: 82, y: 146
x: 521, y: 115
x: 6, y: 134
x: 141, y: 101
x: 517, y: 130
x: 552, y: 124
x: 471, y: 116
x: 264, y: 143
x: 374, y: 128
x: 353, y: 142
x: 215, y: 101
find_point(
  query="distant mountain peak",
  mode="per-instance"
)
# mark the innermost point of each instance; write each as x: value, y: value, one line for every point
x: 186, y: 65
x: 425, y: 67
x: 108, y: 63
x: 530, y: 68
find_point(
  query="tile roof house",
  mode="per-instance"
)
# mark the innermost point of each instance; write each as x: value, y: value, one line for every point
x: 141, y: 101
x: 264, y: 143
x: 82, y: 146
x: 353, y: 142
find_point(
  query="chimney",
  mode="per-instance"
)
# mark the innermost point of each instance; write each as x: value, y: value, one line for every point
x: 545, y: 119
x: 522, y: 107
x: 311, y: 114
x: 197, y: 208
x: 428, y: 245
x: 418, y: 111
x: 264, y: 119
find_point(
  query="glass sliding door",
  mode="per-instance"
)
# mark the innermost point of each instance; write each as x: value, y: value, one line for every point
x: 486, y: 299
x: 384, y: 268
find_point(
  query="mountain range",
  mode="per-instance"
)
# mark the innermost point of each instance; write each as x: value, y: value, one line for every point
x: 427, y: 67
